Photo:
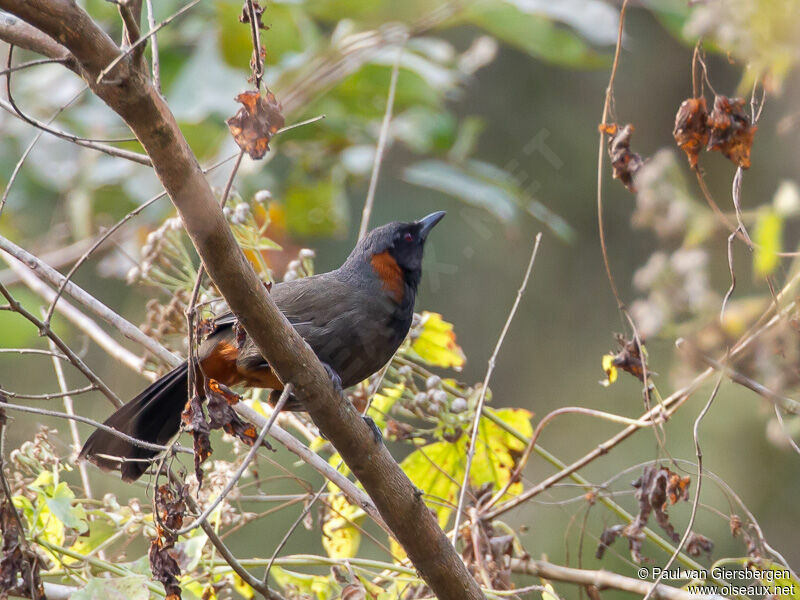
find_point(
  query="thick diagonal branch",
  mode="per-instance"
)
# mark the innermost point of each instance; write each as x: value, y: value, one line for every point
x: 130, y: 92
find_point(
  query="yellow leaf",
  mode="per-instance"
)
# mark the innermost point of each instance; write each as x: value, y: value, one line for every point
x: 243, y: 588
x: 549, y: 592
x: 318, y: 585
x: 438, y: 469
x: 382, y: 403
x: 610, y: 370
x: 768, y: 238
x: 340, y: 536
x: 436, y: 343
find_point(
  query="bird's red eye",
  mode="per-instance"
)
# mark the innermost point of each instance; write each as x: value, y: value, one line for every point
x: 408, y: 237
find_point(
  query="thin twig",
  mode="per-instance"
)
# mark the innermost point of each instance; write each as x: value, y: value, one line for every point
x: 699, y: 480
x: 290, y: 531
x: 33, y: 63
x: 786, y: 434
x: 128, y: 329
x: 143, y: 39
x: 111, y: 230
x: 45, y: 330
x: 255, y: 34
x: 51, y: 396
x: 130, y: 22
x: 191, y: 310
x: 135, y: 157
x: 485, y: 385
x: 226, y: 554
x: 732, y: 273
x: 73, y: 426
x: 151, y: 23
x: 650, y: 420
x: 60, y: 415
x: 287, y: 391
x: 382, y: 139
x: 80, y: 320
x: 354, y: 495
x: 788, y: 404
x: 34, y: 141
x: 601, y: 155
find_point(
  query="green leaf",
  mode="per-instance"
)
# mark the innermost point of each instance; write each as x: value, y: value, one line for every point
x: 132, y: 587
x: 319, y: 586
x: 485, y: 186
x: 777, y: 578
x: 316, y: 209
x: 284, y: 34
x: 768, y: 237
x: 455, y: 181
x: 61, y: 505
x: 100, y: 530
x: 535, y: 34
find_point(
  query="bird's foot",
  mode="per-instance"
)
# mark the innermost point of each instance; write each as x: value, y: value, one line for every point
x: 376, y: 431
x: 334, y: 377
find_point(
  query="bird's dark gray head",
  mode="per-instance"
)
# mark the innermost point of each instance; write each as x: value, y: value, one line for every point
x: 395, y: 251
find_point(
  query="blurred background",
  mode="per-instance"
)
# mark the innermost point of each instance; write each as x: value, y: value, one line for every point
x: 495, y: 121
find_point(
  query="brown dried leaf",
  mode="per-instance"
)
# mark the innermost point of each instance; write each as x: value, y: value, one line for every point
x: 257, y: 9
x: 607, y: 538
x: 256, y: 122
x: 353, y: 591
x: 222, y: 416
x: 691, y: 128
x: 629, y: 358
x: 654, y: 489
x: 17, y: 562
x: 696, y: 544
x: 624, y: 161
x: 398, y: 431
x: 730, y: 130
x: 194, y: 420
x: 678, y: 487
x: 736, y: 525
x: 171, y: 506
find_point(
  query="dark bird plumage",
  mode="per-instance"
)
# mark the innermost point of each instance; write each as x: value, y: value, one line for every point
x: 354, y: 318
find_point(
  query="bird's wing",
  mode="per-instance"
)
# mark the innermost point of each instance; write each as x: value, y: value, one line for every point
x: 300, y: 301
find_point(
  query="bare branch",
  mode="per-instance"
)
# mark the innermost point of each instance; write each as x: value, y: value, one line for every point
x: 485, y: 385
x: 126, y: 328
x: 19, y: 33
x: 354, y: 495
x: 81, y: 321
x: 151, y: 23
x: 132, y: 95
x: 242, y: 467
x: 59, y: 415
x: 73, y: 427
x: 141, y: 40
x: 602, y: 579
x: 74, y: 359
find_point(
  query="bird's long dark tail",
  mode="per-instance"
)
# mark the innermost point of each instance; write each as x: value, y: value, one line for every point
x: 153, y: 416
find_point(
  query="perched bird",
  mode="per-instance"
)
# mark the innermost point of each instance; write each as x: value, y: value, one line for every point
x: 354, y: 318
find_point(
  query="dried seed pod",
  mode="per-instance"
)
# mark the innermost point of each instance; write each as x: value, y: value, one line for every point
x: 730, y: 130
x: 624, y: 161
x: 691, y: 128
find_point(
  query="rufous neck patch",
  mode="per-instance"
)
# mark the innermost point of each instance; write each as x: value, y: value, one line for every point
x: 390, y: 274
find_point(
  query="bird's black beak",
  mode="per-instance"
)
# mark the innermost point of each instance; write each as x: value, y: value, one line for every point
x: 428, y: 223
